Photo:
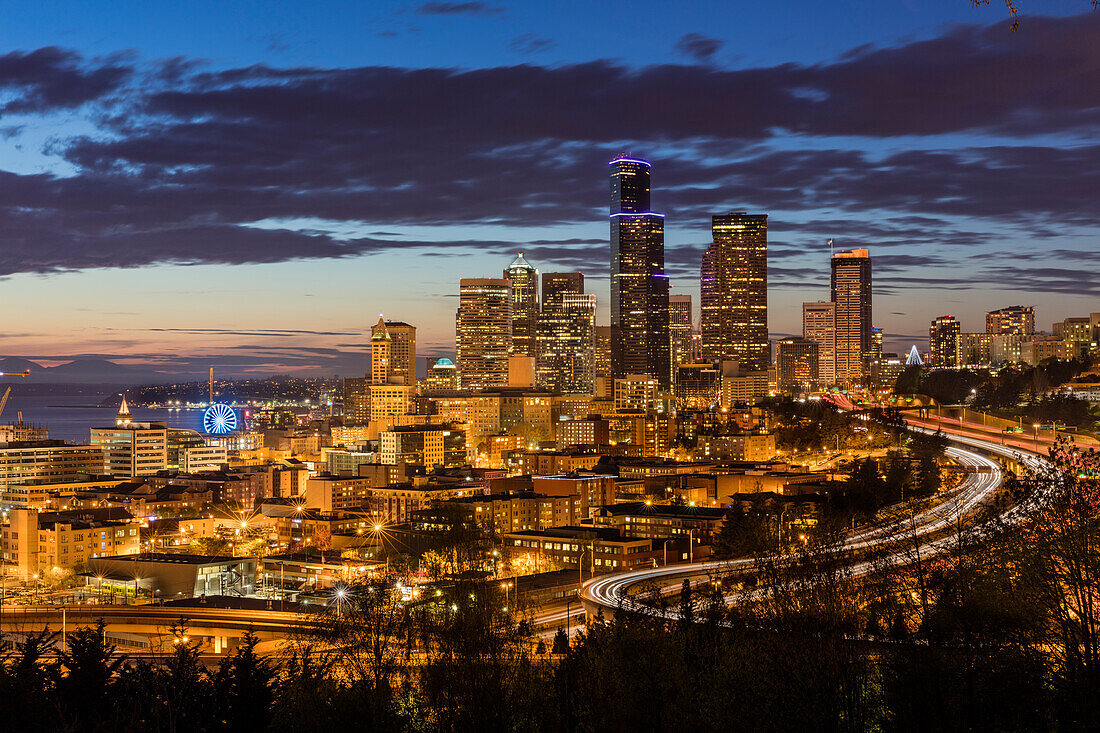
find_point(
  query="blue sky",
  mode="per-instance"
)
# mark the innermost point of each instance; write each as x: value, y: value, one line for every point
x: 249, y: 184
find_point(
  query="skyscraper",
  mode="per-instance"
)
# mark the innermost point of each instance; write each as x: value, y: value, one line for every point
x: 525, y: 305
x: 680, y: 328
x: 555, y: 284
x: 734, y: 275
x: 483, y: 332
x: 566, y: 344
x: 851, y: 292
x: 402, y: 352
x: 819, y: 325
x: 1015, y: 319
x: 796, y: 364
x: 639, y: 286
x: 380, y: 344
x: 944, y: 342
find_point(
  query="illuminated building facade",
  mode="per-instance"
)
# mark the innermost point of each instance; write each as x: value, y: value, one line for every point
x: 442, y: 376
x: 356, y: 400
x: 1015, y: 319
x: 680, y: 328
x: 850, y: 286
x: 639, y: 286
x: 483, y: 332
x: 402, y: 368
x: 796, y: 364
x: 566, y: 345
x: 944, y: 342
x: 524, y: 280
x: 819, y: 326
x: 734, y: 280
x: 380, y: 349
x: 556, y: 284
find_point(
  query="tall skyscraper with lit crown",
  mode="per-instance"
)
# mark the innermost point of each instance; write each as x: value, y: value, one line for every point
x: 525, y: 305
x: 639, y: 286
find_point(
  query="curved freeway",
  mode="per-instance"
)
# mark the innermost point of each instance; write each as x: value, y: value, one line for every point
x: 610, y: 592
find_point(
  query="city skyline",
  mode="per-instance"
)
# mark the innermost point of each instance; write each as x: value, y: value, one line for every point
x: 283, y: 263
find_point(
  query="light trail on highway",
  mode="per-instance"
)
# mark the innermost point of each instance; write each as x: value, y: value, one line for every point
x: 611, y: 592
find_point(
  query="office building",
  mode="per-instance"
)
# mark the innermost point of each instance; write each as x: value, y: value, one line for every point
x: 442, y: 376
x: 27, y: 465
x: 356, y: 400
x: 402, y: 368
x: 680, y: 328
x: 37, y: 543
x: 132, y: 448
x: 483, y: 332
x: 566, y: 345
x: 524, y: 280
x: 850, y: 285
x: 819, y: 325
x: 380, y: 349
x: 796, y: 364
x: 975, y: 349
x: 556, y: 284
x: 639, y: 286
x: 696, y: 386
x: 734, y: 283
x: 423, y: 445
x: 944, y: 342
x: 1015, y: 319
x: 1039, y: 349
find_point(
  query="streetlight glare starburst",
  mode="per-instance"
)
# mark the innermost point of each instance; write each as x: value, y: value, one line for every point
x: 219, y: 419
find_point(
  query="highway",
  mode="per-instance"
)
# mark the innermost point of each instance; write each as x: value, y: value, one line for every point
x: 610, y: 592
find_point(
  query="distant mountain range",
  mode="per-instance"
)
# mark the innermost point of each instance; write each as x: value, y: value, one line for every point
x: 81, y: 371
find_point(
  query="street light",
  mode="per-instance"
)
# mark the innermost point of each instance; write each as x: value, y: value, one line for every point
x: 691, y: 545
x: 664, y: 548
x: 1036, y: 427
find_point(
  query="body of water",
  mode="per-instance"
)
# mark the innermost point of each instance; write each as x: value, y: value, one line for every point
x: 70, y: 417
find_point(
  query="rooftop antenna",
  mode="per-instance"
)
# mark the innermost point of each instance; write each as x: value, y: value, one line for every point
x: 211, y: 385
x: 830, y: 242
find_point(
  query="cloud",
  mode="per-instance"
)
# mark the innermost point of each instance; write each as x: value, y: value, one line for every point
x: 458, y: 8
x: 52, y: 78
x: 698, y: 47
x: 530, y: 43
x: 194, y: 164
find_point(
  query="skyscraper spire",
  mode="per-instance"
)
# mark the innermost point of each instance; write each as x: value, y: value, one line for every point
x: 123, y: 417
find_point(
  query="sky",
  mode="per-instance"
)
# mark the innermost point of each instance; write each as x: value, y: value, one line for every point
x: 248, y: 185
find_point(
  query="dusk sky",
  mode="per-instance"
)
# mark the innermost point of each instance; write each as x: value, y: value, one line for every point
x: 249, y: 184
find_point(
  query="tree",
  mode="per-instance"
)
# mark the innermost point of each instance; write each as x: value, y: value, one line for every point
x: 243, y: 687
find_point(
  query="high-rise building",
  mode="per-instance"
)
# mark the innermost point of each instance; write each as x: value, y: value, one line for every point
x: 851, y: 292
x: 796, y: 364
x: 380, y: 349
x: 734, y: 275
x: 525, y: 305
x: 556, y: 284
x: 566, y: 345
x: 680, y: 328
x: 356, y: 400
x: 483, y: 332
x: 1015, y: 319
x: 639, y: 286
x: 402, y: 353
x: 944, y: 342
x: 975, y: 349
x: 819, y: 325
x: 442, y: 376
x: 132, y: 448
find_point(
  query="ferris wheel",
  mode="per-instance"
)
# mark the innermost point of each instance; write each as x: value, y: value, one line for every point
x: 219, y: 419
